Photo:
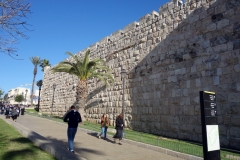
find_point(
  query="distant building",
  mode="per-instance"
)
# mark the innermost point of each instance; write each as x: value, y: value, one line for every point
x: 26, y: 94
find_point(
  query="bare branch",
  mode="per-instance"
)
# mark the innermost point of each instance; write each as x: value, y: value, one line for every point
x: 12, y: 23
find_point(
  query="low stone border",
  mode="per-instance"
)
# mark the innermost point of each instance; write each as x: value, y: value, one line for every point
x: 139, y: 144
x: 42, y: 142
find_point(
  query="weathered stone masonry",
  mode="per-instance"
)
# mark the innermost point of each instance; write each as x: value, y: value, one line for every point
x: 170, y: 56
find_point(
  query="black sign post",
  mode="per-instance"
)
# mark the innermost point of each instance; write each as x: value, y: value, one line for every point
x: 210, y: 132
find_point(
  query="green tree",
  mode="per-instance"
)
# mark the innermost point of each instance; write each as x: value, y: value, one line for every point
x: 84, y: 69
x: 19, y: 98
x: 1, y: 93
x: 35, y: 61
x: 44, y: 63
x: 5, y: 98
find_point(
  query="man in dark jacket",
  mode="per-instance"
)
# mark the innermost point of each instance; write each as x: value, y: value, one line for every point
x: 73, y: 118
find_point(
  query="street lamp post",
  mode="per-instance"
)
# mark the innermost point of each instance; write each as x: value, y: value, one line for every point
x: 39, y: 92
x: 26, y: 97
x: 54, y: 87
x: 123, y: 75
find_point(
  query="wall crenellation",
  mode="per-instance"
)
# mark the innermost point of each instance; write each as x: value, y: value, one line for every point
x: 170, y: 56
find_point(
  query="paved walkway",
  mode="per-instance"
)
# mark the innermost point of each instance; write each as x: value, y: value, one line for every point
x: 87, y: 145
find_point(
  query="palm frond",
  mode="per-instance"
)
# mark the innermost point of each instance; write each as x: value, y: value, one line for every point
x: 106, y: 76
x: 39, y: 83
x: 101, y: 79
x: 35, y: 61
x: 98, y: 60
x: 84, y: 68
x: 103, y: 68
x: 61, y: 68
x: 86, y: 59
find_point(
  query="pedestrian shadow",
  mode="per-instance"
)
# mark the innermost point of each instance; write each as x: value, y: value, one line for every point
x: 3, y: 141
x: 61, y: 146
x: 19, y: 154
x: 108, y: 139
x: 82, y: 151
x: 20, y: 140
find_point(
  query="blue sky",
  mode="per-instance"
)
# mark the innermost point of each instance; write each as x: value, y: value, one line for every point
x: 68, y: 25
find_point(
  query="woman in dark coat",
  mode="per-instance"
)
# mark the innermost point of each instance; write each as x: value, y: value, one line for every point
x: 119, y: 128
x: 22, y: 110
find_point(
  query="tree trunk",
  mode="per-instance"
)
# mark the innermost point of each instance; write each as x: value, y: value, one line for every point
x: 82, y: 91
x: 34, y: 76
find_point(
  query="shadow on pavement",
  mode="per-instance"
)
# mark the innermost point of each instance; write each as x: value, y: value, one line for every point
x: 82, y: 151
x: 61, y: 146
x: 96, y: 135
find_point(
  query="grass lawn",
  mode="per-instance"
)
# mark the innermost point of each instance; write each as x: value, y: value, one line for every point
x: 172, y: 144
x: 13, y: 146
x: 31, y: 110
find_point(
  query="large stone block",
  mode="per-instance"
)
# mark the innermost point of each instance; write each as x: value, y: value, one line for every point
x: 185, y: 128
x: 235, y: 120
x: 236, y: 44
x: 227, y: 119
x: 232, y: 4
x: 234, y: 97
x: 237, y: 68
x: 235, y: 131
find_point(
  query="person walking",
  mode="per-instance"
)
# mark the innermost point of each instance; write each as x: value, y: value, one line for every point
x: 2, y: 109
x: 7, y: 110
x: 119, y: 128
x: 14, y: 114
x: 22, y: 110
x: 104, y: 126
x: 73, y: 118
x: 18, y: 110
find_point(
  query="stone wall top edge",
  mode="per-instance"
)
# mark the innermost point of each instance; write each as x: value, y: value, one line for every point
x: 173, y: 4
x: 132, y: 26
x: 93, y: 45
x: 135, y: 23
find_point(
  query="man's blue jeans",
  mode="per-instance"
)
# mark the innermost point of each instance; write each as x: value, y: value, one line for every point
x: 71, y: 132
x: 104, y: 131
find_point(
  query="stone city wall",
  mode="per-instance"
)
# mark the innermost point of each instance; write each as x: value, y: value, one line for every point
x: 170, y: 56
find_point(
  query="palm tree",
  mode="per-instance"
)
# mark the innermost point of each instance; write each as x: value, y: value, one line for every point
x: 39, y: 84
x: 35, y: 61
x: 44, y: 63
x: 84, y: 69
